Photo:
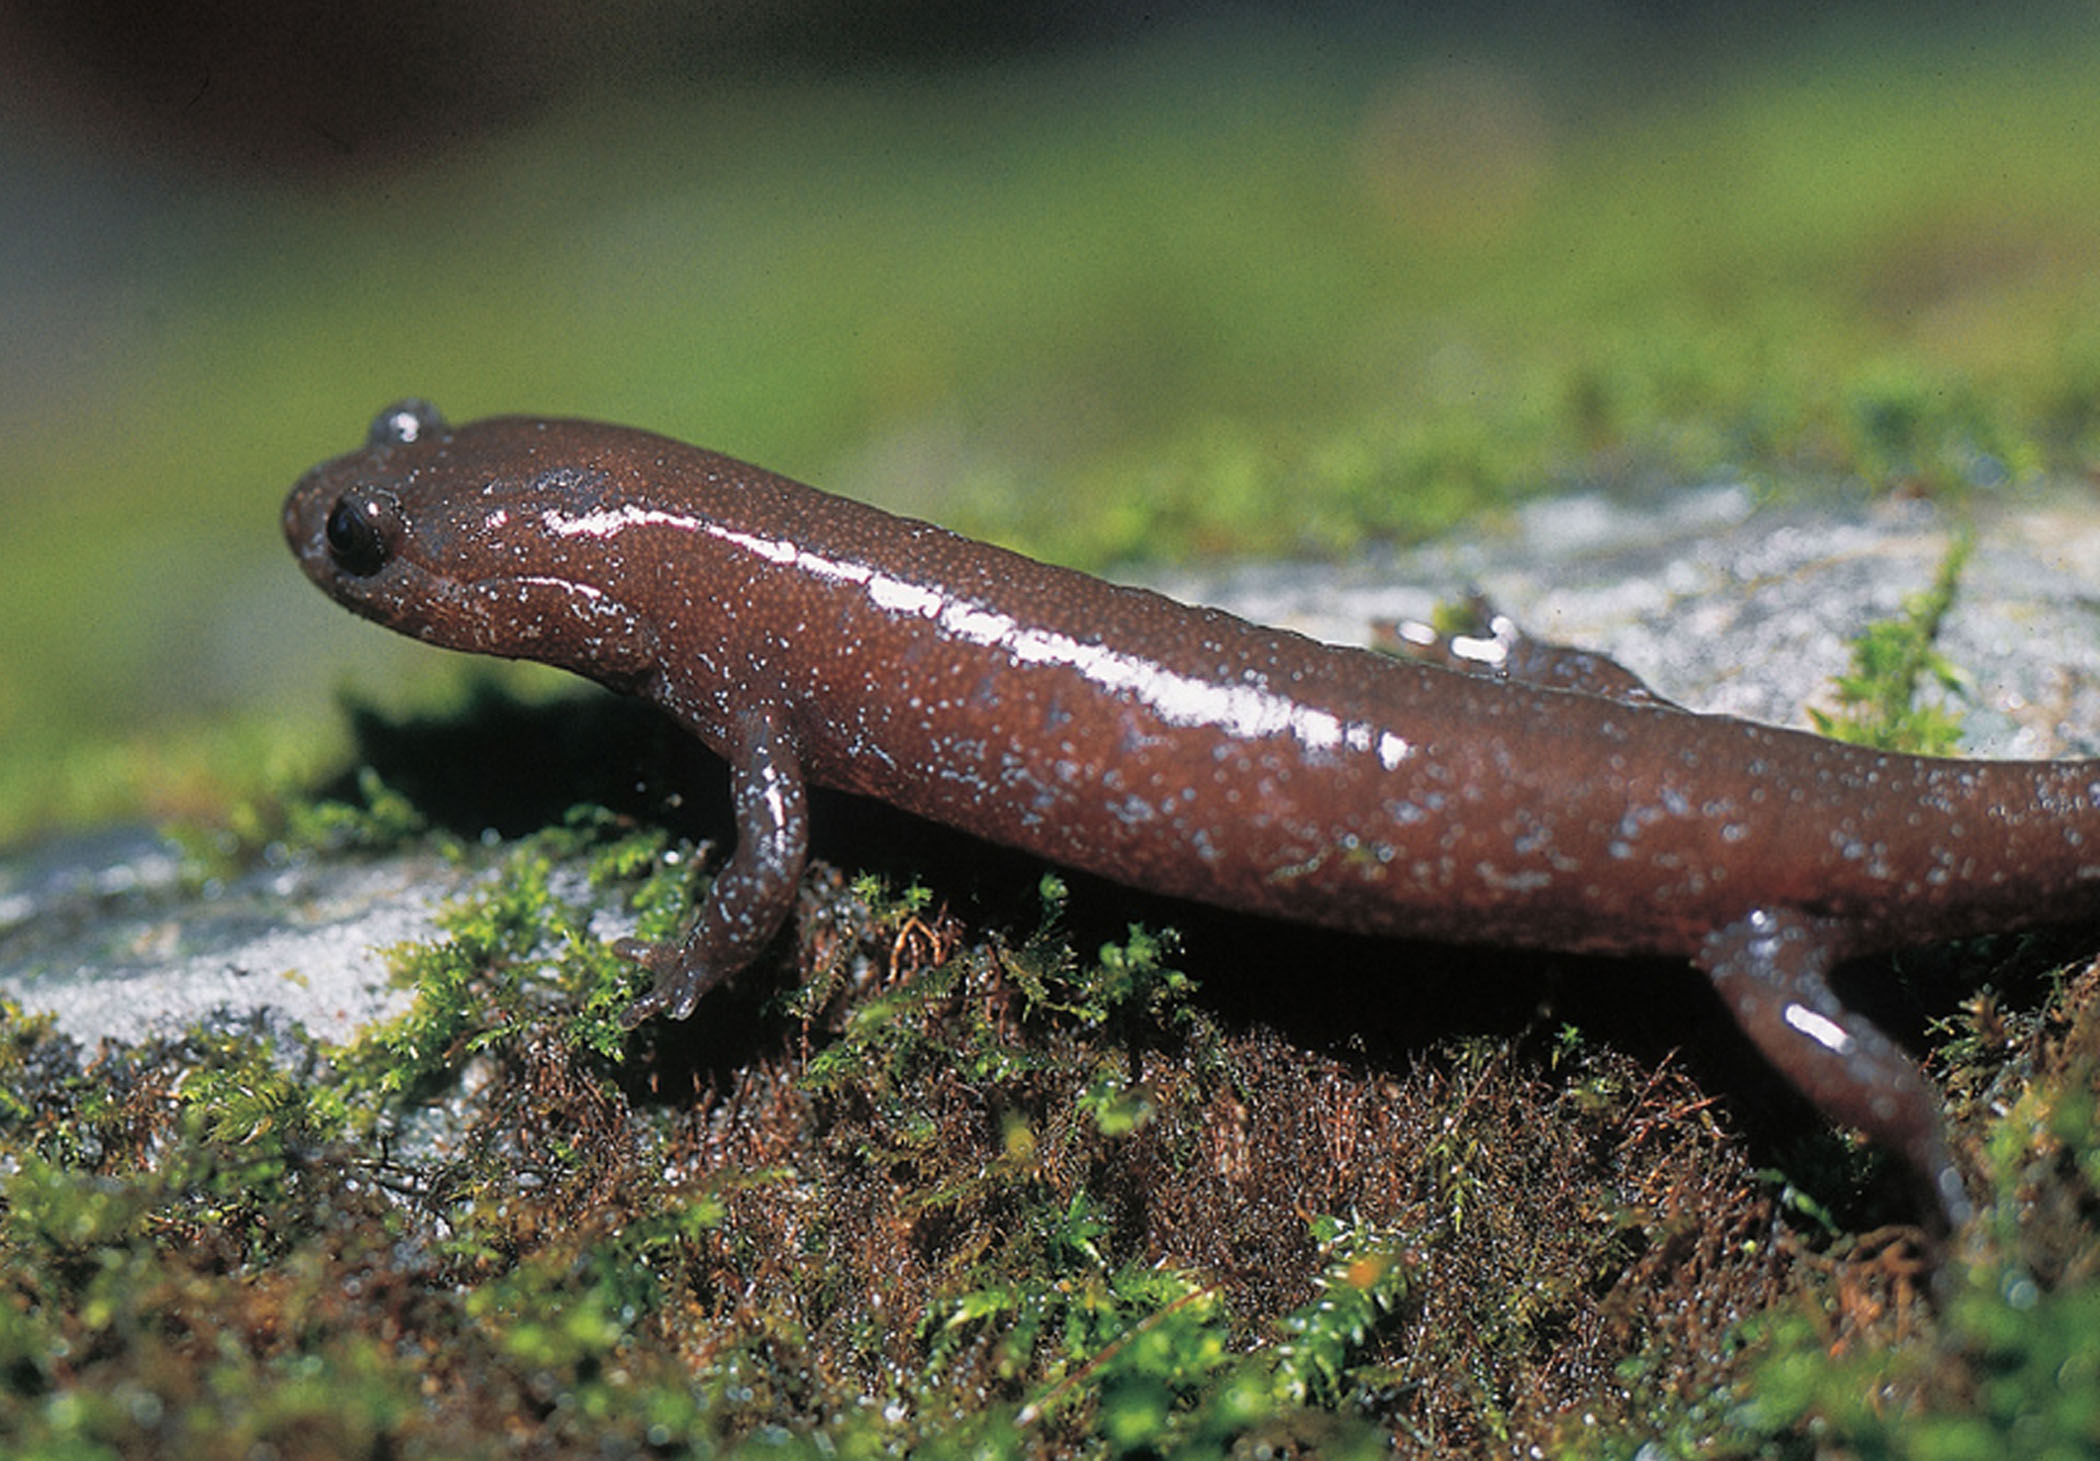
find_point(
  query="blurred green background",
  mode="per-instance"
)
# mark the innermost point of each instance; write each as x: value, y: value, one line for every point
x: 1099, y: 284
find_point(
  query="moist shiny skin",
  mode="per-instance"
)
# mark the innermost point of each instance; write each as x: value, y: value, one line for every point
x: 804, y: 637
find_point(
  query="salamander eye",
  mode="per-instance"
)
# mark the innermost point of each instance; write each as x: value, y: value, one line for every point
x: 405, y: 422
x: 356, y: 537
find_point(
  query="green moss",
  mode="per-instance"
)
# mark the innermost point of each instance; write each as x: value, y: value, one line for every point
x: 964, y: 1192
x: 516, y: 951
x: 952, y: 1190
x: 1366, y: 1277
x: 381, y: 818
x: 1893, y: 661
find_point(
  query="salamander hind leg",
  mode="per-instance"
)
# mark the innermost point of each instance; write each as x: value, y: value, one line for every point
x: 1490, y: 643
x: 753, y: 894
x: 1770, y: 966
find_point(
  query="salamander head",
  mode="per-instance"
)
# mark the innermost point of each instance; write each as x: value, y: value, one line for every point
x: 438, y: 532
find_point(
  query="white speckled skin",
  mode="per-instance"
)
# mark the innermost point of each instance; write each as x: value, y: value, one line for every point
x: 1184, y: 750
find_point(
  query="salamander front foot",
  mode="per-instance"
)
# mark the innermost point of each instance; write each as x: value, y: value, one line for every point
x: 752, y: 896
x: 679, y: 983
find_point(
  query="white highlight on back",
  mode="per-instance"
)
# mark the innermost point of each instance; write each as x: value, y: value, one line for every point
x: 1248, y: 710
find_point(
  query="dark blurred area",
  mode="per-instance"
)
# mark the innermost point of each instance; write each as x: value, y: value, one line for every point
x: 310, y: 88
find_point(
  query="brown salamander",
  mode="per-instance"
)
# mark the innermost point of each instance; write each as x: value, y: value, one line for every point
x: 804, y: 637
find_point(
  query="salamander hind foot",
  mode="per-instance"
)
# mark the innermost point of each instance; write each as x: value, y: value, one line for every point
x: 1770, y: 967
x: 1486, y: 642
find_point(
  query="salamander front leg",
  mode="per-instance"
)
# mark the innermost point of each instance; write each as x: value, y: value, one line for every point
x: 753, y: 894
x: 1770, y: 967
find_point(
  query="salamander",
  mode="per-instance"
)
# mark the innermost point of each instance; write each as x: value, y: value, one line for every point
x: 1555, y: 803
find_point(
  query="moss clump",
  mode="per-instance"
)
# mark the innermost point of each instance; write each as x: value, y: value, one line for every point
x: 922, y: 1182
x: 1882, y: 697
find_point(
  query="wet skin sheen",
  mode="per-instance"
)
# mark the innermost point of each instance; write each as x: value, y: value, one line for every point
x: 1556, y: 805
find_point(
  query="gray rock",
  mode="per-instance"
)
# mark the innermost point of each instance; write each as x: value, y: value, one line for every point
x: 1724, y: 607
x: 104, y: 932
